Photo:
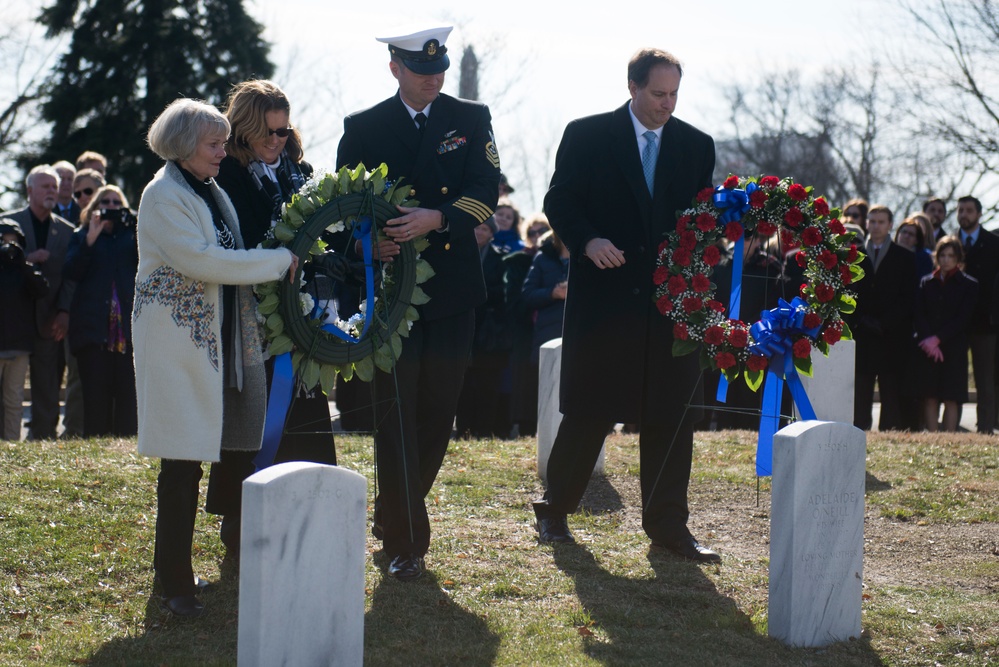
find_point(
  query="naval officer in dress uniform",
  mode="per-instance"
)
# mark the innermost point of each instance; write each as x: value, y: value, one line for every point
x: 444, y: 149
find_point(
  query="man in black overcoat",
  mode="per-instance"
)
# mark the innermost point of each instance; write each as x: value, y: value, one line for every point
x: 882, y: 326
x: 617, y: 364
x: 444, y: 149
x: 981, y: 262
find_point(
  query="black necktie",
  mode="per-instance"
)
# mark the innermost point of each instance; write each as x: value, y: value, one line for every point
x: 877, y: 251
x: 421, y: 121
x: 967, y: 244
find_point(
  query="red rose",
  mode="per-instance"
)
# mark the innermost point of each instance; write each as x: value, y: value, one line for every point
x: 801, y: 258
x: 692, y: 304
x: 664, y: 304
x: 824, y: 293
x: 704, y: 196
x: 820, y: 207
x: 812, y: 320
x: 681, y: 257
x: 680, y: 331
x: 757, y: 198
x: 731, y: 183
x: 797, y: 192
x: 738, y: 338
x: 716, y: 306
x: 836, y: 227
x: 811, y: 236
x: 714, y: 335
x: 700, y: 283
x: 802, y: 348
x: 766, y: 228
x: 660, y: 275
x: 788, y: 239
x: 663, y: 246
x: 706, y: 222
x: 769, y: 182
x: 677, y: 285
x: 845, y: 275
x: 712, y: 255
x: 757, y: 363
x: 851, y: 255
x: 828, y: 259
x: 688, y: 240
x: 682, y: 223
x: 831, y: 335
x: 724, y: 360
x: 793, y: 217
x: 733, y: 231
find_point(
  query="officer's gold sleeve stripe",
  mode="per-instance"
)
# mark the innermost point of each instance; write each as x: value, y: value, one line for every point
x: 475, y: 208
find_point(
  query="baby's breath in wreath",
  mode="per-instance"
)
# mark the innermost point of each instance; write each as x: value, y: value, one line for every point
x: 685, y: 293
x: 337, y: 202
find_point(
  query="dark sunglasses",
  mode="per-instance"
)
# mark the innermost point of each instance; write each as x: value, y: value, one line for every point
x: 535, y: 232
x: 85, y: 191
x: 109, y: 202
x: 283, y: 132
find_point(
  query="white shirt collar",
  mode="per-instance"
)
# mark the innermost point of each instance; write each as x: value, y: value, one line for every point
x: 413, y: 112
x: 640, y: 130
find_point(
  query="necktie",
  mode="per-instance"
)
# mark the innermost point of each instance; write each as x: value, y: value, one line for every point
x: 649, y: 156
x: 967, y: 244
x: 421, y: 121
x: 877, y: 251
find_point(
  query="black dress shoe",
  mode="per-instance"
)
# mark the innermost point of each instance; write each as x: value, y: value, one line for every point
x: 554, y: 530
x: 688, y: 547
x: 406, y: 567
x: 185, y: 606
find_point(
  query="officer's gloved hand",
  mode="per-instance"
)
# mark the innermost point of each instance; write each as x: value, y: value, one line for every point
x: 333, y: 265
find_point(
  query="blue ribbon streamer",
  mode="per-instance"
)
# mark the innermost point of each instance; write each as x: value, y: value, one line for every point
x: 283, y: 382
x: 734, y: 204
x: 774, y: 335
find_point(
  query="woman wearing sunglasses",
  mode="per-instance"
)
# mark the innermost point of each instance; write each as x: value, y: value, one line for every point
x: 102, y: 259
x: 85, y: 184
x: 263, y: 169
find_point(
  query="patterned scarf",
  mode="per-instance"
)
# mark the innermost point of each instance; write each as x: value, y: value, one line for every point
x: 289, y: 181
x: 116, y: 333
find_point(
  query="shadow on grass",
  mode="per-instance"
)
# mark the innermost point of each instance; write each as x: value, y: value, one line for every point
x: 601, y: 496
x: 678, y: 617
x: 872, y: 483
x: 416, y: 622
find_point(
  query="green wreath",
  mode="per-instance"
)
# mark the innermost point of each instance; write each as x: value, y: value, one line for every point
x: 334, y: 202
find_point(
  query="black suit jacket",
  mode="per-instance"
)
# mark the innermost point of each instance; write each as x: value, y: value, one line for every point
x: 885, y: 302
x: 59, y: 295
x: 982, y: 264
x: 453, y: 167
x: 612, y: 334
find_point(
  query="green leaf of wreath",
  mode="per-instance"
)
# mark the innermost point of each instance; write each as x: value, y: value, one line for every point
x: 847, y: 333
x: 275, y: 323
x: 365, y: 369
x: 753, y: 379
x: 283, y: 233
x: 419, y: 296
x: 269, y: 303
x: 280, y: 345
x: 804, y: 366
x: 682, y: 347
x: 847, y: 304
x: 327, y: 377
x: 309, y: 372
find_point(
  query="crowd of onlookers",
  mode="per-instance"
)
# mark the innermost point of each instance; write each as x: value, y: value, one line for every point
x: 69, y: 258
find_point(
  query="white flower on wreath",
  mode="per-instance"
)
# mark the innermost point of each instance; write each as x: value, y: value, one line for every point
x: 307, y: 303
x: 337, y: 226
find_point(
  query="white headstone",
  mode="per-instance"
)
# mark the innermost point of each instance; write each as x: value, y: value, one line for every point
x: 301, y: 573
x: 817, y: 533
x: 549, y: 416
x: 830, y: 389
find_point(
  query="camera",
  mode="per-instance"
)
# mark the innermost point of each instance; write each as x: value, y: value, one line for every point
x: 119, y: 216
x: 11, y: 255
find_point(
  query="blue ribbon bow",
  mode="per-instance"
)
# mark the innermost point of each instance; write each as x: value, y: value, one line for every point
x: 774, y: 335
x: 734, y: 204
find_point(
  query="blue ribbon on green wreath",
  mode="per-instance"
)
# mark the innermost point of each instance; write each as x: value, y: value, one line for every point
x: 733, y: 204
x: 774, y: 335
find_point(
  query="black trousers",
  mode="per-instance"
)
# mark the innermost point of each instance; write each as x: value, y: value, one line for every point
x: 177, y: 508
x: 413, y: 426
x: 665, y: 454
x: 108, y: 379
x: 48, y: 361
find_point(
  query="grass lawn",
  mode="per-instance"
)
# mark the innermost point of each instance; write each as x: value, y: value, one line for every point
x: 77, y: 521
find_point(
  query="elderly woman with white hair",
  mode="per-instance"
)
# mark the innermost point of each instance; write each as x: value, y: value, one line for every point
x: 198, y: 366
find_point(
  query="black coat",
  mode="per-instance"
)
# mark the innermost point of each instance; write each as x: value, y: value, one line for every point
x: 547, y: 271
x: 613, y: 336
x: 453, y: 168
x: 982, y: 264
x: 882, y: 323
x: 253, y: 206
x: 20, y: 289
x: 114, y: 258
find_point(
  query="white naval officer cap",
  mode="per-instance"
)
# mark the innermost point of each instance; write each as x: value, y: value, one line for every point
x: 423, y: 51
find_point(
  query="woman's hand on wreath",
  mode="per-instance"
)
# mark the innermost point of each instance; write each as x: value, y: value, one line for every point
x: 604, y: 254
x: 292, y: 268
x: 414, y: 222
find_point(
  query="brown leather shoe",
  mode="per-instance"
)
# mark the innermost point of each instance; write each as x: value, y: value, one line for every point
x: 689, y: 548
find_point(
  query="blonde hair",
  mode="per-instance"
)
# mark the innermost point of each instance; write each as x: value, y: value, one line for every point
x: 95, y: 202
x: 247, y: 109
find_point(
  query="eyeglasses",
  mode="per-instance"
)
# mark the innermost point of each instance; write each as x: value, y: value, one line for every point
x: 85, y: 191
x: 535, y: 232
x: 110, y: 202
x: 283, y: 132
x: 854, y: 215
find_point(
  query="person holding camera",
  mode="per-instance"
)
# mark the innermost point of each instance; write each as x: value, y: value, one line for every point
x: 21, y: 286
x: 102, y: 260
